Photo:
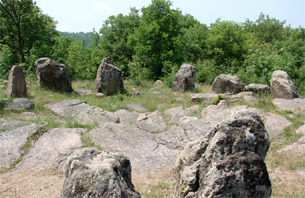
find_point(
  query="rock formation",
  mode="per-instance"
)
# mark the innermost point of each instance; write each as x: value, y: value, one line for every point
x: 227, y: 162
x: 16, y: 86
x: 258, y: 89
x: 108, y: 78
x: 185, y: 78
x: 227, y: 83
x: 20, y: 104
x: 52, y: 75
x: 282, y: 86
x: 91, y: 173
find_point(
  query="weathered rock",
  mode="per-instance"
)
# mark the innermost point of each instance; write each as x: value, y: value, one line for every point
x: 296, y: 104
x: 185, y: 78
x: 227, y: 162
x: 49, y: 147
x: 240, y: 96
x: 83, y: 92
x: 158, y: 83
x: 275, y: 124
x: 16, y: 83
x: 108, y: 78
x: 226, y: 83
x: 12, y: 124
x: 52, y: 75
x: 11, y: 143
x: 193, y: 108
x: 91, y: 173
x: 153, y: 123
x: 81, y: 112
x: 143, y: 150
x: 282, y: 86
x: 301, y: 130
x: 298, y: 146
x: 259, y: 89
x: 218, y: 114
x: 207, y: 97
x: 126, y: 116
x: 20, y: 104
x: 136, y: 107
x: 175, y: 114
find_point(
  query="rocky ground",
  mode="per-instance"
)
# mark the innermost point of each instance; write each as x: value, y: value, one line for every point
x: 32, y: 159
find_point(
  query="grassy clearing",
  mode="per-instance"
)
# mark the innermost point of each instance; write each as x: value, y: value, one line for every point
x: 283, y: 167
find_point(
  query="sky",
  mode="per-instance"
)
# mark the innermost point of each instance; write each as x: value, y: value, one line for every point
x: 86, y: 15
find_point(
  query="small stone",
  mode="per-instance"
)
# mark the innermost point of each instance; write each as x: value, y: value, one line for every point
x: 20, y: 104
x: 142, y: 116
x: 83, y: 92
x: 99, y: 95
x: 158, y: 83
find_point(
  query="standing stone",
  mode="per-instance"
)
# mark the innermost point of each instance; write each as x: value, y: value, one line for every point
x: 282, y: 86
x: 185, y: 78
x: 108, y: 78
x: 16, y: 83
x: 52, y: 75
x: 92, y: 173
x: 227, y: 162
x: 227, y: 83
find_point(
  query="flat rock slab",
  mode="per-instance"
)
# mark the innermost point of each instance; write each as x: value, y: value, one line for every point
x: 49, y: 147
x: 12, y: 124
x: 208, y: 97
x: 144, y: 152
x: 275, y: 124
x: 20, y: 104
x: 81, y: 112
x: 126, y: 116
x: 296, y: 104
x: 136, y: 107
x: 301, y: 130
x: 175, y: 114
x: 11, y: 143
x: 298, y: 146
x: 215, y: 113
x: 152, y: 122
x: 83, y: 92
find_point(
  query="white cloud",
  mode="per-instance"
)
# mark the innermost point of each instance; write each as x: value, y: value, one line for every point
x: 101, y: 7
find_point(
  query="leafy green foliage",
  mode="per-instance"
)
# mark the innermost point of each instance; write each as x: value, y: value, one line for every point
x: 24, y: 28
x: 152, y: 43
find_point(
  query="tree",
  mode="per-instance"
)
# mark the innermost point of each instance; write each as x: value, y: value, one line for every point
x: 157, y: 42
x: 114, y: 39
x: 23, y: 26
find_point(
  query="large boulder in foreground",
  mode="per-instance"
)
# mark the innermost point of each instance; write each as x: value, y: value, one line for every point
x: 52, y: 75
x: 282, y: 86
x: 226, y: 83
x: 16, y: 86
x: 92, y: 173
x: 185, y: 78
x: 108, y: 78
x: 227, y: 162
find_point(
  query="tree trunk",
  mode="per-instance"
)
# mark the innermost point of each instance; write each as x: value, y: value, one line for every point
x: 20, y: 47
